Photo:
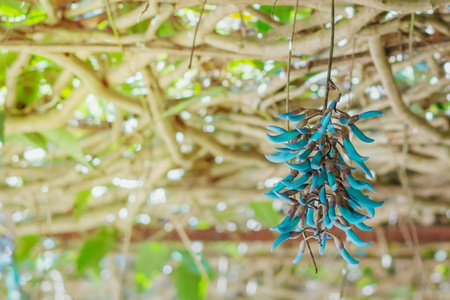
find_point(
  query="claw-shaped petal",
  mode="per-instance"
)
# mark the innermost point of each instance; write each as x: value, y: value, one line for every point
x: 370, y: 114
x: 296, y: 118
x: 323, y: 196
x: 283, y: 223
x: 285, y: 115
x: 285, y: 198
x: 362, y: 199
x: 302, y: 167
x: 310, y: 217
x: 347, y: 257
x: 332, y: 213
x: 297, y: 145
x: 356, y: 240
x: 343, y: 120
x: 284, y: 137
x: 332, y: 104
x: 352, y: 152
x: 276, y: 129
x: 331, y: 128
x: 301, y: 250
x: 303, y: 130
x: 280, y: 239
x: 316, y: 160
x: 317, y: 135
x: 290, y: 226
x: 332, y: 181
x: 304, y: 154
x: 365, y: 169
x: 327, y: 221
x: 360, y: 135
x: 281, y: 157
x: 281, y: 149
x: 322, y: 247
x: 363, y: 227
x: 299, y: 182
x: 349, y: 216
x: 326, y: 120
x: 314, y: 181
x: 357, y: 184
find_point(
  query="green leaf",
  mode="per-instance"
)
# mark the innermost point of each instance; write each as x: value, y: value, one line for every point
x: 33, y: 139
x: 24, y: 245
x: 151, y: 258
x: 82, y: 200
x: 2, y: 126
x: 283, y: 12
x: 95, y: 248
x: 62, y: 138
x: 190, y: 285
x: 11, y: 9
x: 265, y: 213
x: 262, y: 27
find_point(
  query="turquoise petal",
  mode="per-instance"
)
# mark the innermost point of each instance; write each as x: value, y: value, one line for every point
x: 302, y: 167
x: 362, y: 199
x: 296, y: 118
x: 280, y: 239
x: 298, y: 257
x: 347, y: 257
x: 366, y: 185
x: 284, y: 137
x: 344, y: 121
x: 310, y: 217
x: 370, y: 114
x: 281, y: 149
x: 365, y: 169
x: 331, y: 128
x: 327, y: 221
x: 332, y: 104
x: 289, y: 227
x: 316, y: 160
x: 296, y: 184
x: 355, y: 183
x: 323, y: 196
x: 303, y: 130
x: 304, y: 154
x: 325, y: 120
x: 363, y: 227
x: 297, y: 145
x: 360, y: 135
x: 281, y: 157
x: 356, y: 240
x: 332, y: 181
x: 352, y: 152
x: 332, y: 213
x: 317, y: 135
x: 285, y: 115
x: 276, y: 129
x: 283, y: 223
x: 347, y: 214
x: 322, y: 248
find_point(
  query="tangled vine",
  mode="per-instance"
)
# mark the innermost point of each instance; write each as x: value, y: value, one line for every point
x: 321, y: 180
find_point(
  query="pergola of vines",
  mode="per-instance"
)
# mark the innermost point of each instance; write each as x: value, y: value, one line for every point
x: 117, y: 127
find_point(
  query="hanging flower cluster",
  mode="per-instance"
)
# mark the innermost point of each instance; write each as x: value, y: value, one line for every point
x: 320, y: 187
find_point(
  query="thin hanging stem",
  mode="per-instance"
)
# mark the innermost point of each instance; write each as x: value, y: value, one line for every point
x: 330, y: 59
x: 195, y: 34
x: 291, y: 45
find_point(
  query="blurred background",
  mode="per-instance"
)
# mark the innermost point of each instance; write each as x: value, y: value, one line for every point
x: 132, y: 163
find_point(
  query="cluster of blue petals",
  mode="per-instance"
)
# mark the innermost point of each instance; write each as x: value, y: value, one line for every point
x: 320, y: 188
